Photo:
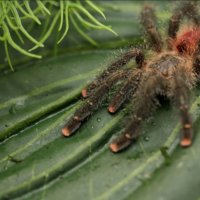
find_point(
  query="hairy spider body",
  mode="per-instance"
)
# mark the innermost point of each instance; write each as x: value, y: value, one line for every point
x: 171, y: 73
x: 167, y: 63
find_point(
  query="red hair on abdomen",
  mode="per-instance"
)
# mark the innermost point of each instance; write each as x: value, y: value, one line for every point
x: 187, y: 40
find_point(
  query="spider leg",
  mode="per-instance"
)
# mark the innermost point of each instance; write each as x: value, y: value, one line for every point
x: 146, y: 104
x: 148, y: 18
x: 137, y: 54
x: 181, y: 98
x: 130, y: 85
x: 93, y: 102
x: 187, y: 9
x: 196, y: 64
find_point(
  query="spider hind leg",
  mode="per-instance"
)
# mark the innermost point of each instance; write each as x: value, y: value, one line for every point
x: 181, y: 98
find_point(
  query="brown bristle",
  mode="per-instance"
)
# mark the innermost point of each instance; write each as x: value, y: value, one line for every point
x: 114, y: 147
x: 84, y: 93
x: 186, y: 142
x: 65, y: 132
x: 111, y: 109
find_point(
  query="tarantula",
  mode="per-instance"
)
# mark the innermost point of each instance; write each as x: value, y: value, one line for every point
x: 171, y: 73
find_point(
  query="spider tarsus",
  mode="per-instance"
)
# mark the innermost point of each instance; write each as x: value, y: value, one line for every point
x: 116, y: 103
x: 65, y: 132
x: 71, y: 127
x: 114, y: 148
x: 186, y: 142
x: 187, y: 126
x: 120, y: 143
x: 111, y: 109
x: 84, y: 93
x: 128, y: 136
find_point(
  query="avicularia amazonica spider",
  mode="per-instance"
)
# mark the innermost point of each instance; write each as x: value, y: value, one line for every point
x: 171, y: 73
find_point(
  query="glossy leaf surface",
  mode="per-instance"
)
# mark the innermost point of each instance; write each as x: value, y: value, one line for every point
x: 35, y: 104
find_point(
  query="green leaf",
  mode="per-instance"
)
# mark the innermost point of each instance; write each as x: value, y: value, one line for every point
x: 103, y: 173
x: 38, y: 99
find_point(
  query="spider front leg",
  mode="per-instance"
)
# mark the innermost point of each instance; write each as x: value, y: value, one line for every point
x: 148, y: 18
x: 93, y: 102
x: 137, y: 54
x: 146, y: 104
x: 181, y: 98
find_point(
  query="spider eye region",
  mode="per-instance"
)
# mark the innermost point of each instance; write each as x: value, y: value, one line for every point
x: 187, y: 42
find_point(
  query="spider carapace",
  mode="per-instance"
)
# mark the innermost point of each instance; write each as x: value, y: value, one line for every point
x: 171, y: 73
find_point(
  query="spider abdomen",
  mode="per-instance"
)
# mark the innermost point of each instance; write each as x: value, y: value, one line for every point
x: 187, y: 41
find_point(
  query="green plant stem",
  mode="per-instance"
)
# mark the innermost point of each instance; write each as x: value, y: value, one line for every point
x: 46, y: 23
x: 18, y: 21
x: 61, y: 14
x: 91, y: 17
x: 14, y: 28
x: 85, y: 22
x: 95, y: 8
x: 26, y: 3
x: 42, y: 6
x: 7, y: 54
x: 13, y: 44
x: 66, y: 21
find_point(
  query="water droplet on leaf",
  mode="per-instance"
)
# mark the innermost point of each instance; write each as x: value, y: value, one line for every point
x: 146, y: 139
x: 98, y: 119
x: 12, y: 110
